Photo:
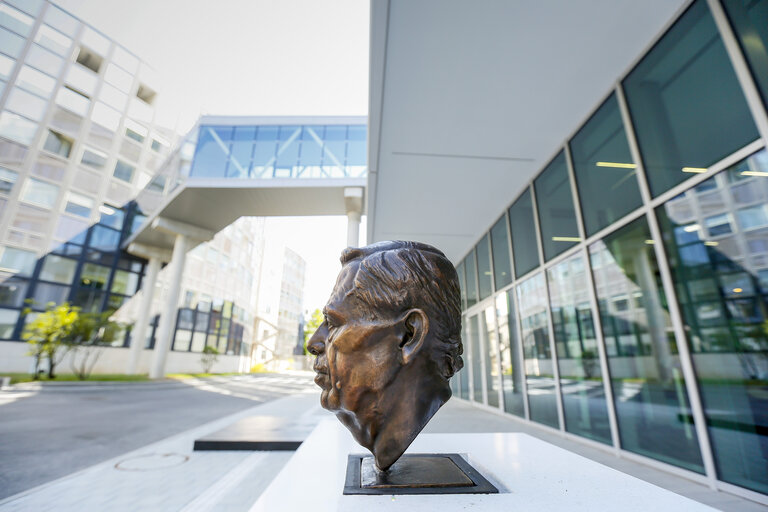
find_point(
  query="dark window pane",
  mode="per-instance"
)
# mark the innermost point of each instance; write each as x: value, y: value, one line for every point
x: 502, y: 269
x: 484, y: 267
x: 749, y: 22
x: 471, y: 273
x: 524, y: 246
x: 539, y: 372
x: 581, y: 380
x: 724, y: 309
x: 511, y: 366
x: 491, y: 356
x: 13, y: 291
x: 94, y: 276
x: 652, y: 407
x: 685, y: 102
x: 555, y: 206
x: 602, y: 165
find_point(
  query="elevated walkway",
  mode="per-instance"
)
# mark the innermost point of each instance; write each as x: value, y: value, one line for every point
x: 231, y: 167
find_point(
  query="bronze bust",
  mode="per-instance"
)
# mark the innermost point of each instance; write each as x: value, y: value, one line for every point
x: 390, y: 342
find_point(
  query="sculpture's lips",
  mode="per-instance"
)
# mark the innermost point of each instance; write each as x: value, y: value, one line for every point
x: 323, y: 380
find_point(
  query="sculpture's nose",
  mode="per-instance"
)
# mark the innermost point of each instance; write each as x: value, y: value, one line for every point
x: 316, y: 344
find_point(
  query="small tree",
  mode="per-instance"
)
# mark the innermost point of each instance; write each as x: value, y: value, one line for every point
x: 48, y: 333
x: 90, y: 332
x: 208, y: 358
x: 310, y: 326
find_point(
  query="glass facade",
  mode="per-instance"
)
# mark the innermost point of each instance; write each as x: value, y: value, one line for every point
x: 651, y: 334
x: 279, y: 151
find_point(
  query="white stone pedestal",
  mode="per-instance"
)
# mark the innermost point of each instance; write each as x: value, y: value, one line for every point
x: 531, y: 475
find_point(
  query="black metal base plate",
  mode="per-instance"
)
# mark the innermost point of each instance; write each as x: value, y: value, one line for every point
x: 255, y: 433
x: 417, y: 473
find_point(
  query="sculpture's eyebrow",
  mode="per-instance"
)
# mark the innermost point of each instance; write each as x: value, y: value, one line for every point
x: 333, y: 315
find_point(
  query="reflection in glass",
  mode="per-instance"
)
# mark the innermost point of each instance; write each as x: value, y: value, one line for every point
x: 471, y: 276
x: 578, y: 359
x: 491, y: 355
x: 523, y: 228
x: 474, y: 350
x: 554, y: 204
x: 539, y: 371
x: 603, y: 168
x: 686, y: 104
x: 722, y: 283
x: 511, y: 366
x: 484, y: 267
x: 462, y: 285
x: 652, y: 406
x: 502, y: 269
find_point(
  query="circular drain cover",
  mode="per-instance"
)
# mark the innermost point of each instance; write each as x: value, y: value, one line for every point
x: 152, y: 462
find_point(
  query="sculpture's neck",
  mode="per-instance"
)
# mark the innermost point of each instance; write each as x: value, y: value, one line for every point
x: 408, y: 414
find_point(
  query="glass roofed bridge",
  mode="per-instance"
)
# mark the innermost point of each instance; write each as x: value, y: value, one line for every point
x: 231, y: 167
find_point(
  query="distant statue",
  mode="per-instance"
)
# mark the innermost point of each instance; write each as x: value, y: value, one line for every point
x: 390, y: 342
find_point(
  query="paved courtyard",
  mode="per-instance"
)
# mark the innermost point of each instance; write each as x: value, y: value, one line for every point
x: 157, y: 470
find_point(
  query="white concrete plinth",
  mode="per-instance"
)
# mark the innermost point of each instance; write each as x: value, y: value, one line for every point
x: 532, y: 475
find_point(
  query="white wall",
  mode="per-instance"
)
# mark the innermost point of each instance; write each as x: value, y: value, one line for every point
x: 115, y: 360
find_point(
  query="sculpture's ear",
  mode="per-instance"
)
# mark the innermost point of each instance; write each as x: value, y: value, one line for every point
x: 416, y: 326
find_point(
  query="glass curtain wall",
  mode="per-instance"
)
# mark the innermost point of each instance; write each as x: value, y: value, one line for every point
x: 716, y: 236
x: 678, y: 114
x: 491, y: 355
x: 651, y: 400
x: 512, y: 374
x: 578, y: 358
x: 539, y: 368
x: 476, y: 357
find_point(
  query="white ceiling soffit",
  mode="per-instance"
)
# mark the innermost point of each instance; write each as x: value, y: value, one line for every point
x: 468, y: 100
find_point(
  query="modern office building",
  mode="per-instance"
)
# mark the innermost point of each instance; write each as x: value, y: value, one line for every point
x: 598, y: 173
x: 86, y: 166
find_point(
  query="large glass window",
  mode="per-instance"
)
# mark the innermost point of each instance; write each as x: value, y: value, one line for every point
x: 539, y: 366
x: 471, y: 276
x: 491, y: 355
x: 652, y: 408
x: 8, y: 319
x: 578, y: 358
x: 603, y: 168
x: 13, y: 291
x: 748, y: 20
x: 511, y: 367
x: 554, y: 204
x: 502, y: 269
x: 58, y: 269
x: 476, y: 357
x: 17, y: 128
x: 722, y: 284
x: 686, y: 103
x: 524, y: 245
x: 484, y: 267
x: 17, y: 261
x: 39, y: 193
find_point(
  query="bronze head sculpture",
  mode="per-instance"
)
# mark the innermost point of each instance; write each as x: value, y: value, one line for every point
x: 390, y: 342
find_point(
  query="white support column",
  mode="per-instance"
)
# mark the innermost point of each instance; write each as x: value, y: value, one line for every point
x: 139, y: 334
x: 353, y: 201
x: 168, y: 315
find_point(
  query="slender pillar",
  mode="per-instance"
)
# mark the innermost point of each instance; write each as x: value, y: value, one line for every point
x: 353, y: 229
x: 168, y: 315
x: 353, y: 201
x: 139, y: 334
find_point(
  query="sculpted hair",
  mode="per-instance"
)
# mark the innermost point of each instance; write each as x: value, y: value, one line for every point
x: 397, y: 276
